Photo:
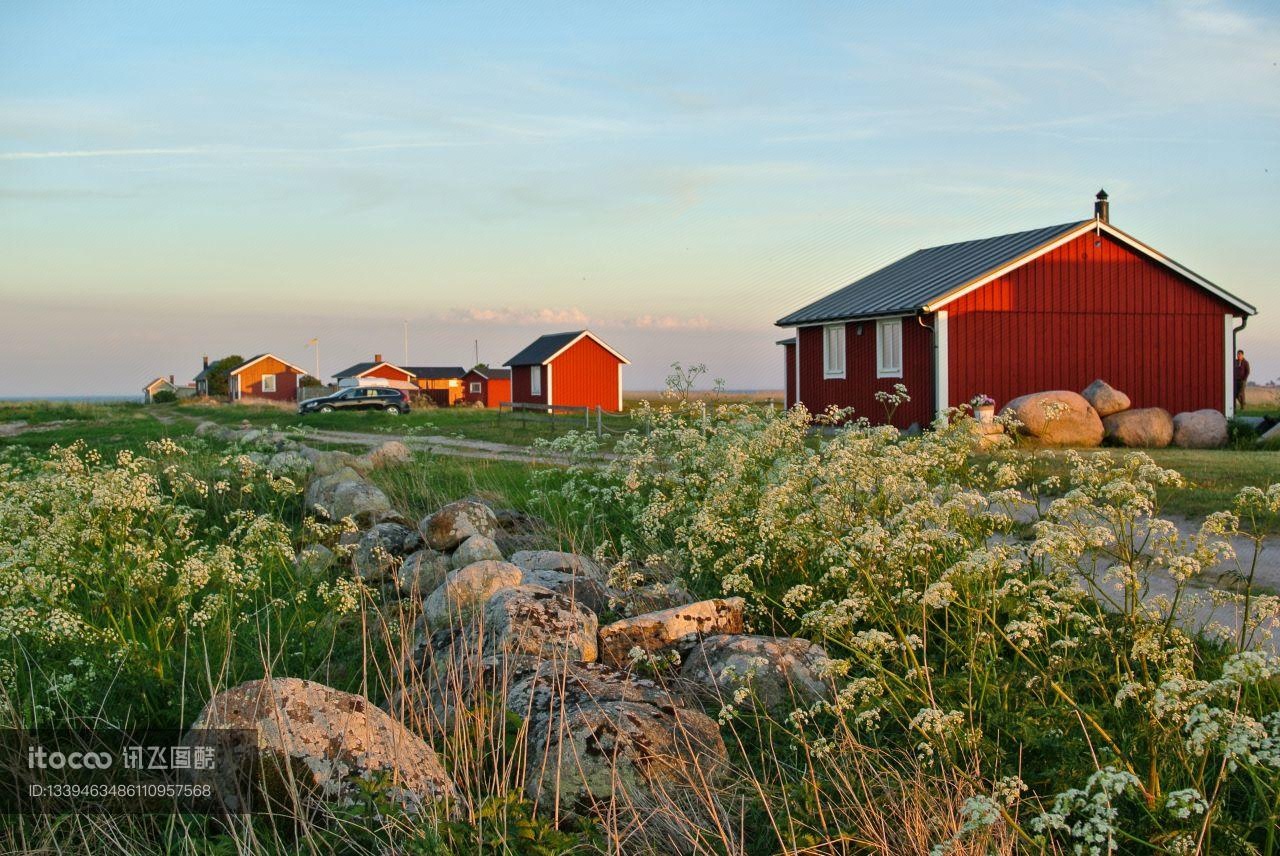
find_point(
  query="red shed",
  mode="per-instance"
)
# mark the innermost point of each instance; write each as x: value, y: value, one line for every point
x: 1051, y: 308
x: 486, y: 386
x: 568, y: 369
x: 265, y: 376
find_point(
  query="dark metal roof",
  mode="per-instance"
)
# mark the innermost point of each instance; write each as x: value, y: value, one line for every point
x: 914, y: 281
x: 790, y: 341
x: 543, y: 348
x: 492, y: 374
x: 435, y: 372
x: 358, y: 368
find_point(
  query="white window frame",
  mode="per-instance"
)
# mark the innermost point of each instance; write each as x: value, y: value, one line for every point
x: 477, y: 387
x: 268, y: 383
x: 535, y: 380
x: 834, y: 359
x: 883, y: 368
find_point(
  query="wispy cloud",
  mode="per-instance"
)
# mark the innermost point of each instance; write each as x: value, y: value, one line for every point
x: 572, y: 317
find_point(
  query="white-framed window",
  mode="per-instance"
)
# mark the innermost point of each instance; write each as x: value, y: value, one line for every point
x: 268, y: 383
x: 535, y: 380
x: 476, y: 387
x: 833, y: 350
x: 889, y: 347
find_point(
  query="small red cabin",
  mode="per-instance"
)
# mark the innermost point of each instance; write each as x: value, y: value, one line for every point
x: 486, y: 386
x: 575, y: 369
x: 265, y: 376
x: 1052, y: 308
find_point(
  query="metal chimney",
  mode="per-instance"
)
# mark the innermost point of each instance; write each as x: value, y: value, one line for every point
x: 1102, y: 208
x: 377, y: 358
x: 206, y: 361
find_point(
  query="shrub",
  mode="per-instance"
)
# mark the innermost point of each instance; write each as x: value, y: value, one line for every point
x: 164, y: 396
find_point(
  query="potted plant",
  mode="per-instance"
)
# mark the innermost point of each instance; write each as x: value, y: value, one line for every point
x: 984, y: 408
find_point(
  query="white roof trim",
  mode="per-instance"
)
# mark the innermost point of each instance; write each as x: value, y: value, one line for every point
x: 1083, y: 229
x: 239, y: 369
x: 594, y: 338
x: 389, y: 365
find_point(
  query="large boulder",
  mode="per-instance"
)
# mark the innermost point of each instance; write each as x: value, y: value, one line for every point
x: 778, y: 671
x: 1057, y: 418
x: 534, y: 621
x: 389, y: 454
x: 456, y: 522
x: 477, y: 548
x: 422, y: 572
x: 381, y: 550
x: 1200, y: 429
x: 466, y: 589
x: 329, y: 462
x: 554, y: 560
x: 1146, y: 427
x: 589, y: 592
x: 360, y: 501
x: 1105, y: 398
x: 289, y: 736
x: 323, y: 486
x: 656, y: 631
x: 314, y: 561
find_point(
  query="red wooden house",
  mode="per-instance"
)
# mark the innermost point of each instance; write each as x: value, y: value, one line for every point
x: 378, y: 372
x: 265, y: 376
x: 486, y: 386
x: 568, y: 369
x: 1051, y: 308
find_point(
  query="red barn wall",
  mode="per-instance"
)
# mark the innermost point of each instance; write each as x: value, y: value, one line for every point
x: 473, y: 397
x: 586, y: 375
x: 388, y: 373
x: 859, y: 386
x: 520, y: 386
x: 286, y: 381
x: 497, y: 391
x: 1092, y: 308
x: 789, y: 381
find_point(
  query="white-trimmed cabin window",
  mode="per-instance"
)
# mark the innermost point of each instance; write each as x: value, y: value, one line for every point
x: 833, y: 351
x: 476, y: 387
x: 268, y: 383
x: 535, y: 380
x: 889, y: 347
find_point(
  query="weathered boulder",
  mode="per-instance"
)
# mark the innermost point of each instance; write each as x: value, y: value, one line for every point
x: 389, y: 454
x: 655, y: 631
x: 554, y: 560
x: 465, y: 590
x: 208, y: 428
x: 289, y: 463
x: 294, y: 735
x: 1146, y: 427
x: 589, y: 592
x: 1105, y: 398
x: 329, y: 462
x: 1271, y: 434
x: 321, y: 489
x: 518, y: 530
x: 1200, y: 429
x: 456, y: 522
x: 778, y: 671
x: 422, y: 572
x: 477, y: 548
x: 652, y: 597
x: 314, y: 560
x: 381, y: 549
x: 1057, y: 418
x: 360, y: 501
x: 538, y: 622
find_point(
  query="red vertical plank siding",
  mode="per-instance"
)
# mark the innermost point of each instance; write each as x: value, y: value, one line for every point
x: 789, y: 381
x: 586, y: 375
x: 859, y: 386
x: 1092, y: 308
x: 286, y: 380
x: 497, y: 390
x: 520, y: 386
x: 388, y: 372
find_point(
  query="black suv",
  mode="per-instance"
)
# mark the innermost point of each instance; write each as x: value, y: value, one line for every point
x: 392, y: 401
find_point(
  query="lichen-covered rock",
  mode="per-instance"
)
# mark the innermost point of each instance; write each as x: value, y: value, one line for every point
x: 422, y: 572
x: 778, y: 671
x: 587, y: 591
x: 321, y: 488
x: 381, y: 549
x: 360, y: 501
x: 652, y: 597
x: 477, y: 548
x: 1200, y: 429
x: 518, y: 530
x: 655, y: 631
x: 532, y: 620
x: 389, y: 454
x: 210, y: 429
x: 1146, y: 427
x: 456, y: 522
x: 290, y: 463
x: 291, y: 735
x: 465, y: 590
x: 554, y: 560
x: 1057, y: 418
x: 329, y: 462
x: 314, y: 560
x: 1105, y: 398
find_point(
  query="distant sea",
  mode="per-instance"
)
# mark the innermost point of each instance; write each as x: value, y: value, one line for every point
x: 75, y: 399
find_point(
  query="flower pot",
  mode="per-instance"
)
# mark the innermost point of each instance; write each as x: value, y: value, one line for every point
x: 985, y: 413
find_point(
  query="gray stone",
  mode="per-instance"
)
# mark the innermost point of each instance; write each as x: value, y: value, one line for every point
x: 656, y: 631
x: 456, y: 522
x: 1200, y: 429
x: 554, y: 560
x: 422, y: 572
x: 291, y: 736
x: 477, y: 548
x: 780, y: 672
x: 360, y: 501
x: 1056, y: 418
x: 314, y: 560
x: 320, y: 490
x: 465, y: 590
x: 329, y: 462
x: 1146, y: 427
x: 1105, y: 399
x: 382, y: 548
x: 587, y: 591
x: 538, y: 622
x: 389, y: 454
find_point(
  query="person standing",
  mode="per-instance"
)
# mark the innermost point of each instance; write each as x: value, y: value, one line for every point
x: 1242, y: 377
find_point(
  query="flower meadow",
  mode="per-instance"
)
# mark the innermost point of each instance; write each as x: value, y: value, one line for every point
x: 1010, y: 668
x: 982, y: 626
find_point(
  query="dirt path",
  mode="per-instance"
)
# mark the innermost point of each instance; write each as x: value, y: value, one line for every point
x: 459, y: 447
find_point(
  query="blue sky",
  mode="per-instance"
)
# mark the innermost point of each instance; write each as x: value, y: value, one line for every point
x: 180, y: 179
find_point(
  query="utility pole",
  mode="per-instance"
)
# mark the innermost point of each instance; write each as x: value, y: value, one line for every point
x: 406, y: 341
x: 315, y: 341
x: 477, y: 360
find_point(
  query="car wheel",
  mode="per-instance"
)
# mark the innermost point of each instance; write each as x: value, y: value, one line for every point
x: 392, y: 410
x: 326, y: 409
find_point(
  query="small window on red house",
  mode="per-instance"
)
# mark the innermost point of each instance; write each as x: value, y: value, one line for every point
x: 833, y: 351
x: 889, y: 347
x: 268, y: 383
x: 476, y: 386
x: 535, y: 380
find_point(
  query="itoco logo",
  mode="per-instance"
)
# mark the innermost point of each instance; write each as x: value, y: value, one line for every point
x: 39, y: 758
